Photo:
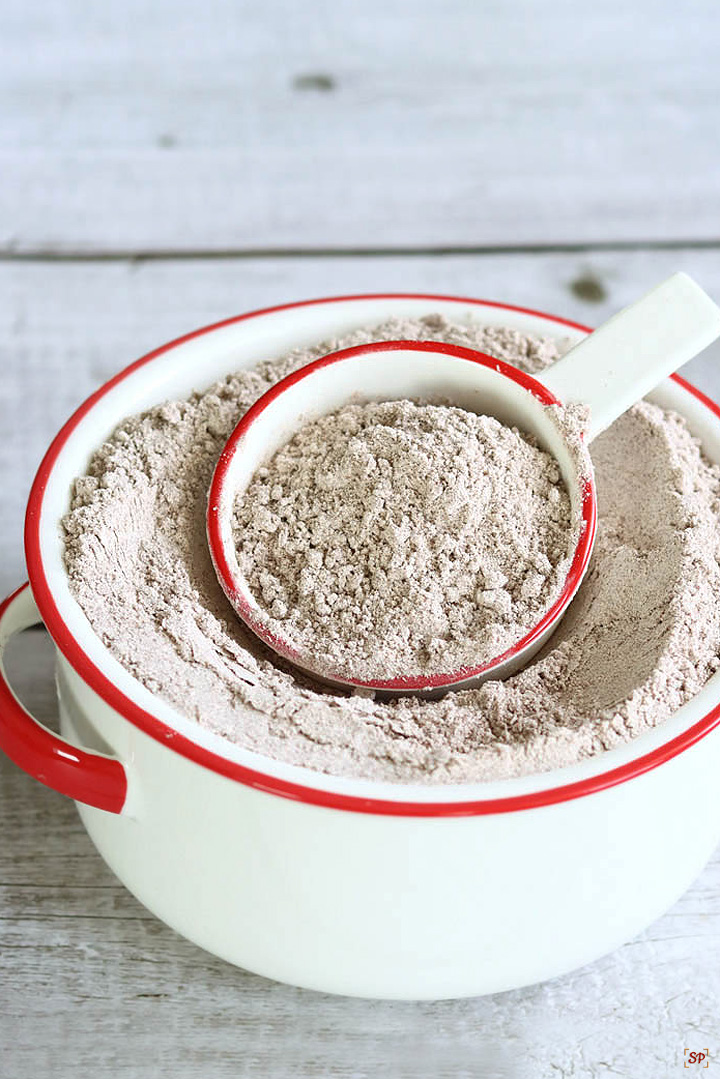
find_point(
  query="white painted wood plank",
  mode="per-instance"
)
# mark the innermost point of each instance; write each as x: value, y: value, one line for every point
x: 179, y: 127
x: 64, y: 329
x: 91, y: 985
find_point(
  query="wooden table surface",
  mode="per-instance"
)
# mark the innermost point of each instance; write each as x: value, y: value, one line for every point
x: 163, y: 165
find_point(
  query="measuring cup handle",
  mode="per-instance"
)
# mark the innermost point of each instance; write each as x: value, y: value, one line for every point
x: 635, y: 350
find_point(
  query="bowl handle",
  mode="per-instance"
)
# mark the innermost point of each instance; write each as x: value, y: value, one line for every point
x: 91, y: 778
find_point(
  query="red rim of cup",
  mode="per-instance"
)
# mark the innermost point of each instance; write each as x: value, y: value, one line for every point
x: 155, y: 728
x: 235, y: 586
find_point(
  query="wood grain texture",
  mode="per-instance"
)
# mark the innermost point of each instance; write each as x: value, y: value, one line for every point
x: 92, y: 985
x: 172, y: 126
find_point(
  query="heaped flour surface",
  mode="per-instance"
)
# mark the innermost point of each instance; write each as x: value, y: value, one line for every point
x: 394, y: 538
x: 641, y: 637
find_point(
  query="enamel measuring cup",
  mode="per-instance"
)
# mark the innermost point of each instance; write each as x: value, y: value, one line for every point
x: 609, y: 371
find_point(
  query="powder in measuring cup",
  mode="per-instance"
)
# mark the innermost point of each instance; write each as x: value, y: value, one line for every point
x: 395, y: 538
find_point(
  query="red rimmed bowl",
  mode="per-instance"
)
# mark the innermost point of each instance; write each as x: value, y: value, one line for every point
x: 384, y: 370
x: 351, y: 886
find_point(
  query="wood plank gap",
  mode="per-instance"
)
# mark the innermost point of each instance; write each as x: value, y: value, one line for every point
x: 43, y: 255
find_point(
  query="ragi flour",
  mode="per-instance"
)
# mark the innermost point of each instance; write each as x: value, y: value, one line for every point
x: 639, y: 640
x: 396, y: 538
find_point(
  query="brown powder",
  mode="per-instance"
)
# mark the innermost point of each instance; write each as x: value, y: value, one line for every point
x: 395, y: 538
x: 641, y: 637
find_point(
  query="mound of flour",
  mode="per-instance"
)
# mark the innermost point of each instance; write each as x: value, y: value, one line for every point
x: 394, y: 538
x: 641, y: 637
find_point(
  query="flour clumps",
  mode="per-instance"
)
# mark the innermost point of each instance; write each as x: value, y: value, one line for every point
x: 395, y: 538
x: 641, y: 637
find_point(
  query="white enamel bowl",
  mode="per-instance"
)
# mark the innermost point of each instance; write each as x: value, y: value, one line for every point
x: 350, y: 886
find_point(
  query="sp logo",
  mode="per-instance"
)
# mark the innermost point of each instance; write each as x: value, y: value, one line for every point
x: 697, y: 1056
